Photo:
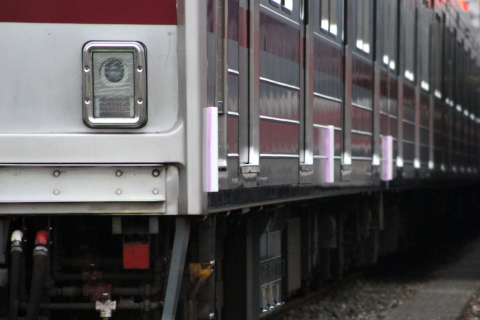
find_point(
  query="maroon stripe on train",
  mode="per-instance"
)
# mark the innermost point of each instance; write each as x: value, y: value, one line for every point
x: 362, y: 120
x: 424, y: 110
x: 210, y: 16
x: 328, y: 58
x: 362, y: 74
x: 408, y: 103
x: 279, y: 38
x: 233, y: 19
x: 243, y: 32
x: 424, y: 136
x: 384, y: 122
x: 278, y: 138
x: 302, y: 55
x: 90, y: 11
x: 361, y: 145
x: 326, y: 112
x: 408, y: 132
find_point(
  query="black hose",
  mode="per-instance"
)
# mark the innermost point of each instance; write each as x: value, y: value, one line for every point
x: 141, y: 306
x: 106, y: 277
x: 48, y: 282
x: 16, y: 257
x: 40, y: 259
x: 23, y: 282
x: 16, y: 253
x: 145, y: 290
x: 140, y: 291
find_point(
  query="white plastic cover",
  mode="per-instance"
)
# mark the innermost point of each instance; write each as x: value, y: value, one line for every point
x: 211, y: 149
x: 387, y: 158
x: 327, y: 145
x: 113, y: 85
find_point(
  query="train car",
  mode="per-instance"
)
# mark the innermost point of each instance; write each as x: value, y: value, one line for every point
x: 186, y: 159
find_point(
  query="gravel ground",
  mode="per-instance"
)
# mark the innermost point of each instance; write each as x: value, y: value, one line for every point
x: 473, y: 310
x: 381, y: 288
x: 361, y: 299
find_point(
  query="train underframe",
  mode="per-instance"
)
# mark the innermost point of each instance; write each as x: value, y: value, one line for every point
x: 239, y: 264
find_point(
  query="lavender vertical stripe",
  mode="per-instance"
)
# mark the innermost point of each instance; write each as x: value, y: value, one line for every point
x: 387, y: 158
x: 328, y: 148
x: 211, y: 149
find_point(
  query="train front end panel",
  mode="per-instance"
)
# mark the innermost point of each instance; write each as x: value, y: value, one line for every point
x: 91, y: 101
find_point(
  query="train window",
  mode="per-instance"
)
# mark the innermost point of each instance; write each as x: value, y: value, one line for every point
x: 410, y: 43
x: 364, y: 26
x: 423, y: 36
x: 329, y: 20
x: 438, y: 52
x: 389, y: 33
x: 287, y: 6
x: 383, y: 29
x: 393, y: 53
x: 360, y: 24
x: 275, y: 3
x: 424, y: 48
x: 448, y: 65
x: 459, y: 76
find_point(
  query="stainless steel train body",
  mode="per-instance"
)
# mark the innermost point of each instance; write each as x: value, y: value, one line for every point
x: 349, y: 104
x: 134, y: 131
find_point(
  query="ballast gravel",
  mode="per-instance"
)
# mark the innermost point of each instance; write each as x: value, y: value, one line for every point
x: 378, y: 290
x: 472, y: 312
x: 358, y: 299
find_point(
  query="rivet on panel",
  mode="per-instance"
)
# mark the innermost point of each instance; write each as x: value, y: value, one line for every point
x: 119, y: 173
x: 56, y: 173
x: 155, y: 191
x: 155, y: 173
x: 119, y: 192
x: 56, y: 192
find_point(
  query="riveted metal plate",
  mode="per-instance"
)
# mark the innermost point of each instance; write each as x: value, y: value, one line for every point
x: 30, y: 184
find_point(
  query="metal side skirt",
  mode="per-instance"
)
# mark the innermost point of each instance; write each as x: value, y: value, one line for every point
x: 180, y: 244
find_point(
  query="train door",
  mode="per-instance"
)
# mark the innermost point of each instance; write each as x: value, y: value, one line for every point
x: 423, y: 92
x: 386, y: 86
x: 449, y: 70
x: 227, y: 90
x: 227, y: 55
x: 407, y: 84
x: 440, y: 109
x: 358, y: 100
x: 271, y: 137
x: 461, y: 107
x: 269, y: 143
x: 325, y: 87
